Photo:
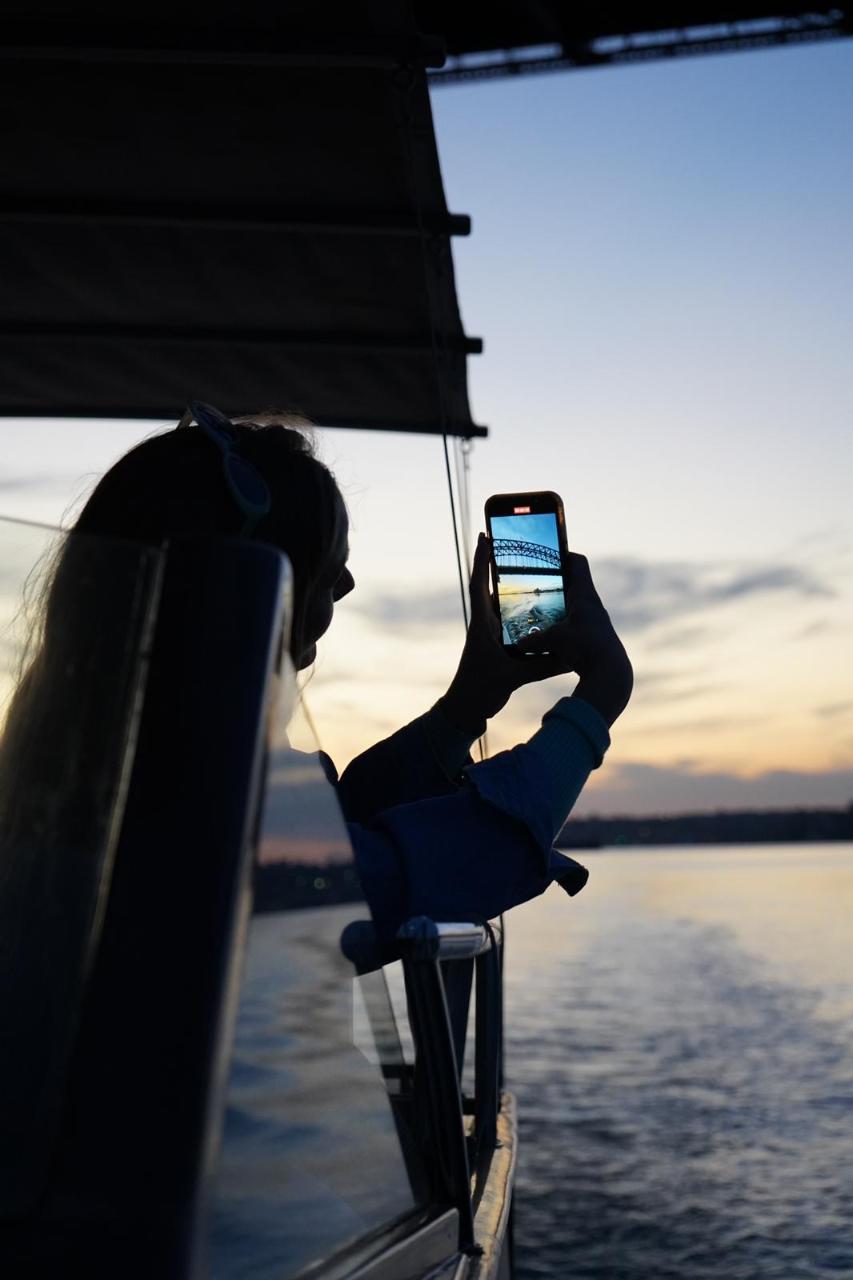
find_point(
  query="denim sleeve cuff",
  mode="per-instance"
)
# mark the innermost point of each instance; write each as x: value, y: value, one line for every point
x: 539, y: 781
x: 584, y: 717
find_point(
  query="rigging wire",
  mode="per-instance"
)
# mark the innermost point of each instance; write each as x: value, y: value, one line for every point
x: 405, y: 83
x: 456, y: 539
x: 462, y: 450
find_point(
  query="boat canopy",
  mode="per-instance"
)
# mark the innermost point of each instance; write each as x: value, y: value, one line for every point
x: 245, y: 206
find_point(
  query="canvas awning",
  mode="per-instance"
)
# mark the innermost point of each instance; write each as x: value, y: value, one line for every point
x: 244, y: 203
x: 245, y: 208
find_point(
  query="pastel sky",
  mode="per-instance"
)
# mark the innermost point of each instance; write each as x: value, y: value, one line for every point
x: 512, y: 583
x: 661, y: 268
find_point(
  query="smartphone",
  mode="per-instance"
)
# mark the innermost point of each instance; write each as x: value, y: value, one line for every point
x: 529, y: 562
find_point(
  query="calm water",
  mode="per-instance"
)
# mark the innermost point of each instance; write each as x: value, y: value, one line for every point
x: 524, y: 610
x: 681, y: 1044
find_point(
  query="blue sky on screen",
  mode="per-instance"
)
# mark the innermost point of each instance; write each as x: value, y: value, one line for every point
x: 541, y: 529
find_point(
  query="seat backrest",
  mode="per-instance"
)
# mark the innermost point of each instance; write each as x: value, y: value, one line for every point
x: 145, y: 1062
x: 228, y: 1095
x: 75, y: 614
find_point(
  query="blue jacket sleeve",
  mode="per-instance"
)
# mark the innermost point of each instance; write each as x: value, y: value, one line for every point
x: 540, y: 780
x: 453, y: 857
x: 422, y: 760
x: 473, y: 850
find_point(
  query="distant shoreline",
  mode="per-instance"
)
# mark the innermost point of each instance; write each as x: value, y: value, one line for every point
x: 766, y: 826
x: 532, y: 591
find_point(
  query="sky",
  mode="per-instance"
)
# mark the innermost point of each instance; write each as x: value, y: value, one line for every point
x: 541, y: 529
x: 661, y: 269
x: 513, y: 583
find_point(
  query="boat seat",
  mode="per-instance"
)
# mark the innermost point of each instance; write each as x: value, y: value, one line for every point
x: 120, y: 1175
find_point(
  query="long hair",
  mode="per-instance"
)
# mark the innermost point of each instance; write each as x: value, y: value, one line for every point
x: 65, y: 733
x: 172, y: 485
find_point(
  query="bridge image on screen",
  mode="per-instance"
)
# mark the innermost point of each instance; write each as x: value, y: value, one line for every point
x: 514, y: 556
x: 530, y: 583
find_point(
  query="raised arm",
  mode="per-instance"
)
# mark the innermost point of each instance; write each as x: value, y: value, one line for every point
x: 422, y: 760
x: 541, y: 780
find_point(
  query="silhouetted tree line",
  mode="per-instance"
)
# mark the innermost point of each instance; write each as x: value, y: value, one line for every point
x: 289, y: 886
x: 768, y: 826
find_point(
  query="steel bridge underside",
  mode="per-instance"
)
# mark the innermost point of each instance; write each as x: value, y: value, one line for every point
x: 513, y: 555
x: 524, y: 37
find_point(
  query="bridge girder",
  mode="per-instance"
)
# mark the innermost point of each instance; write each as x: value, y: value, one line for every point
x: 546, y: 559
x: 600, y: 50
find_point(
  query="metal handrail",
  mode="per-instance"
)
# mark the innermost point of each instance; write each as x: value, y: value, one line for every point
x: 431, y: 952
x: 428, y: 940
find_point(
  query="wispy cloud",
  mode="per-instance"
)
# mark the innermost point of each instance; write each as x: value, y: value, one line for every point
x: 832, y: 709
x: 681, y: 638
x: 702, y: 724
x: 35, y: 483
x: 664, y: 694
x: 639, y: 595
x: 821, y: 627
x: 432, y: 608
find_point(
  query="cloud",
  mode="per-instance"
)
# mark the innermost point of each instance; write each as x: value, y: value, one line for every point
x: 35, y: 483
x: 699, y: 690
x: 646, y: 789
x: 831, y: 709
x: 831, y: 540
x: 649, y: 679
x: 669, y: 686
x: 701, y: 724
x: 682, y: 638
x: 821, y: 627
x: 640, y: 594
x: 674, y: 686
x: 438, y: 607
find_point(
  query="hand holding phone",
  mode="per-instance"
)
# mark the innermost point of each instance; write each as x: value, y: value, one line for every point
x: 529, y: 565
x: 488, y: 671
x: 551, y: 642
x: 586, y: 642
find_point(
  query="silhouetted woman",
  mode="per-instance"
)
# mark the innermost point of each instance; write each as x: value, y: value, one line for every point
x: 433, y: 833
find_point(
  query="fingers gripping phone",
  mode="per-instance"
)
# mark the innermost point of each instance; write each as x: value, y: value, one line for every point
x: 529, y: 563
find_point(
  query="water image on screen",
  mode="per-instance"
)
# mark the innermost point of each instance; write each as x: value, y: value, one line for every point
x: 530, y: 581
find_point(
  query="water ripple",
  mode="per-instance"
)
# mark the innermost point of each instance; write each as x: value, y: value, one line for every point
x: 684, y: 1112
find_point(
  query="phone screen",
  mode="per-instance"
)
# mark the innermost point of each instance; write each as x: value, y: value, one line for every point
x: 529, y: 573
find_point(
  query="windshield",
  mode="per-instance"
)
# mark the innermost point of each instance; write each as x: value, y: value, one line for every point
x: 311, y: 1160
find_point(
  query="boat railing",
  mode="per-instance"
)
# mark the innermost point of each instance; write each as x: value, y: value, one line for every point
x: 441, y: 963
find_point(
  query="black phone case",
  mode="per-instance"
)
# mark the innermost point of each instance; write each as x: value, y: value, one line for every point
x: 552, y: 562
